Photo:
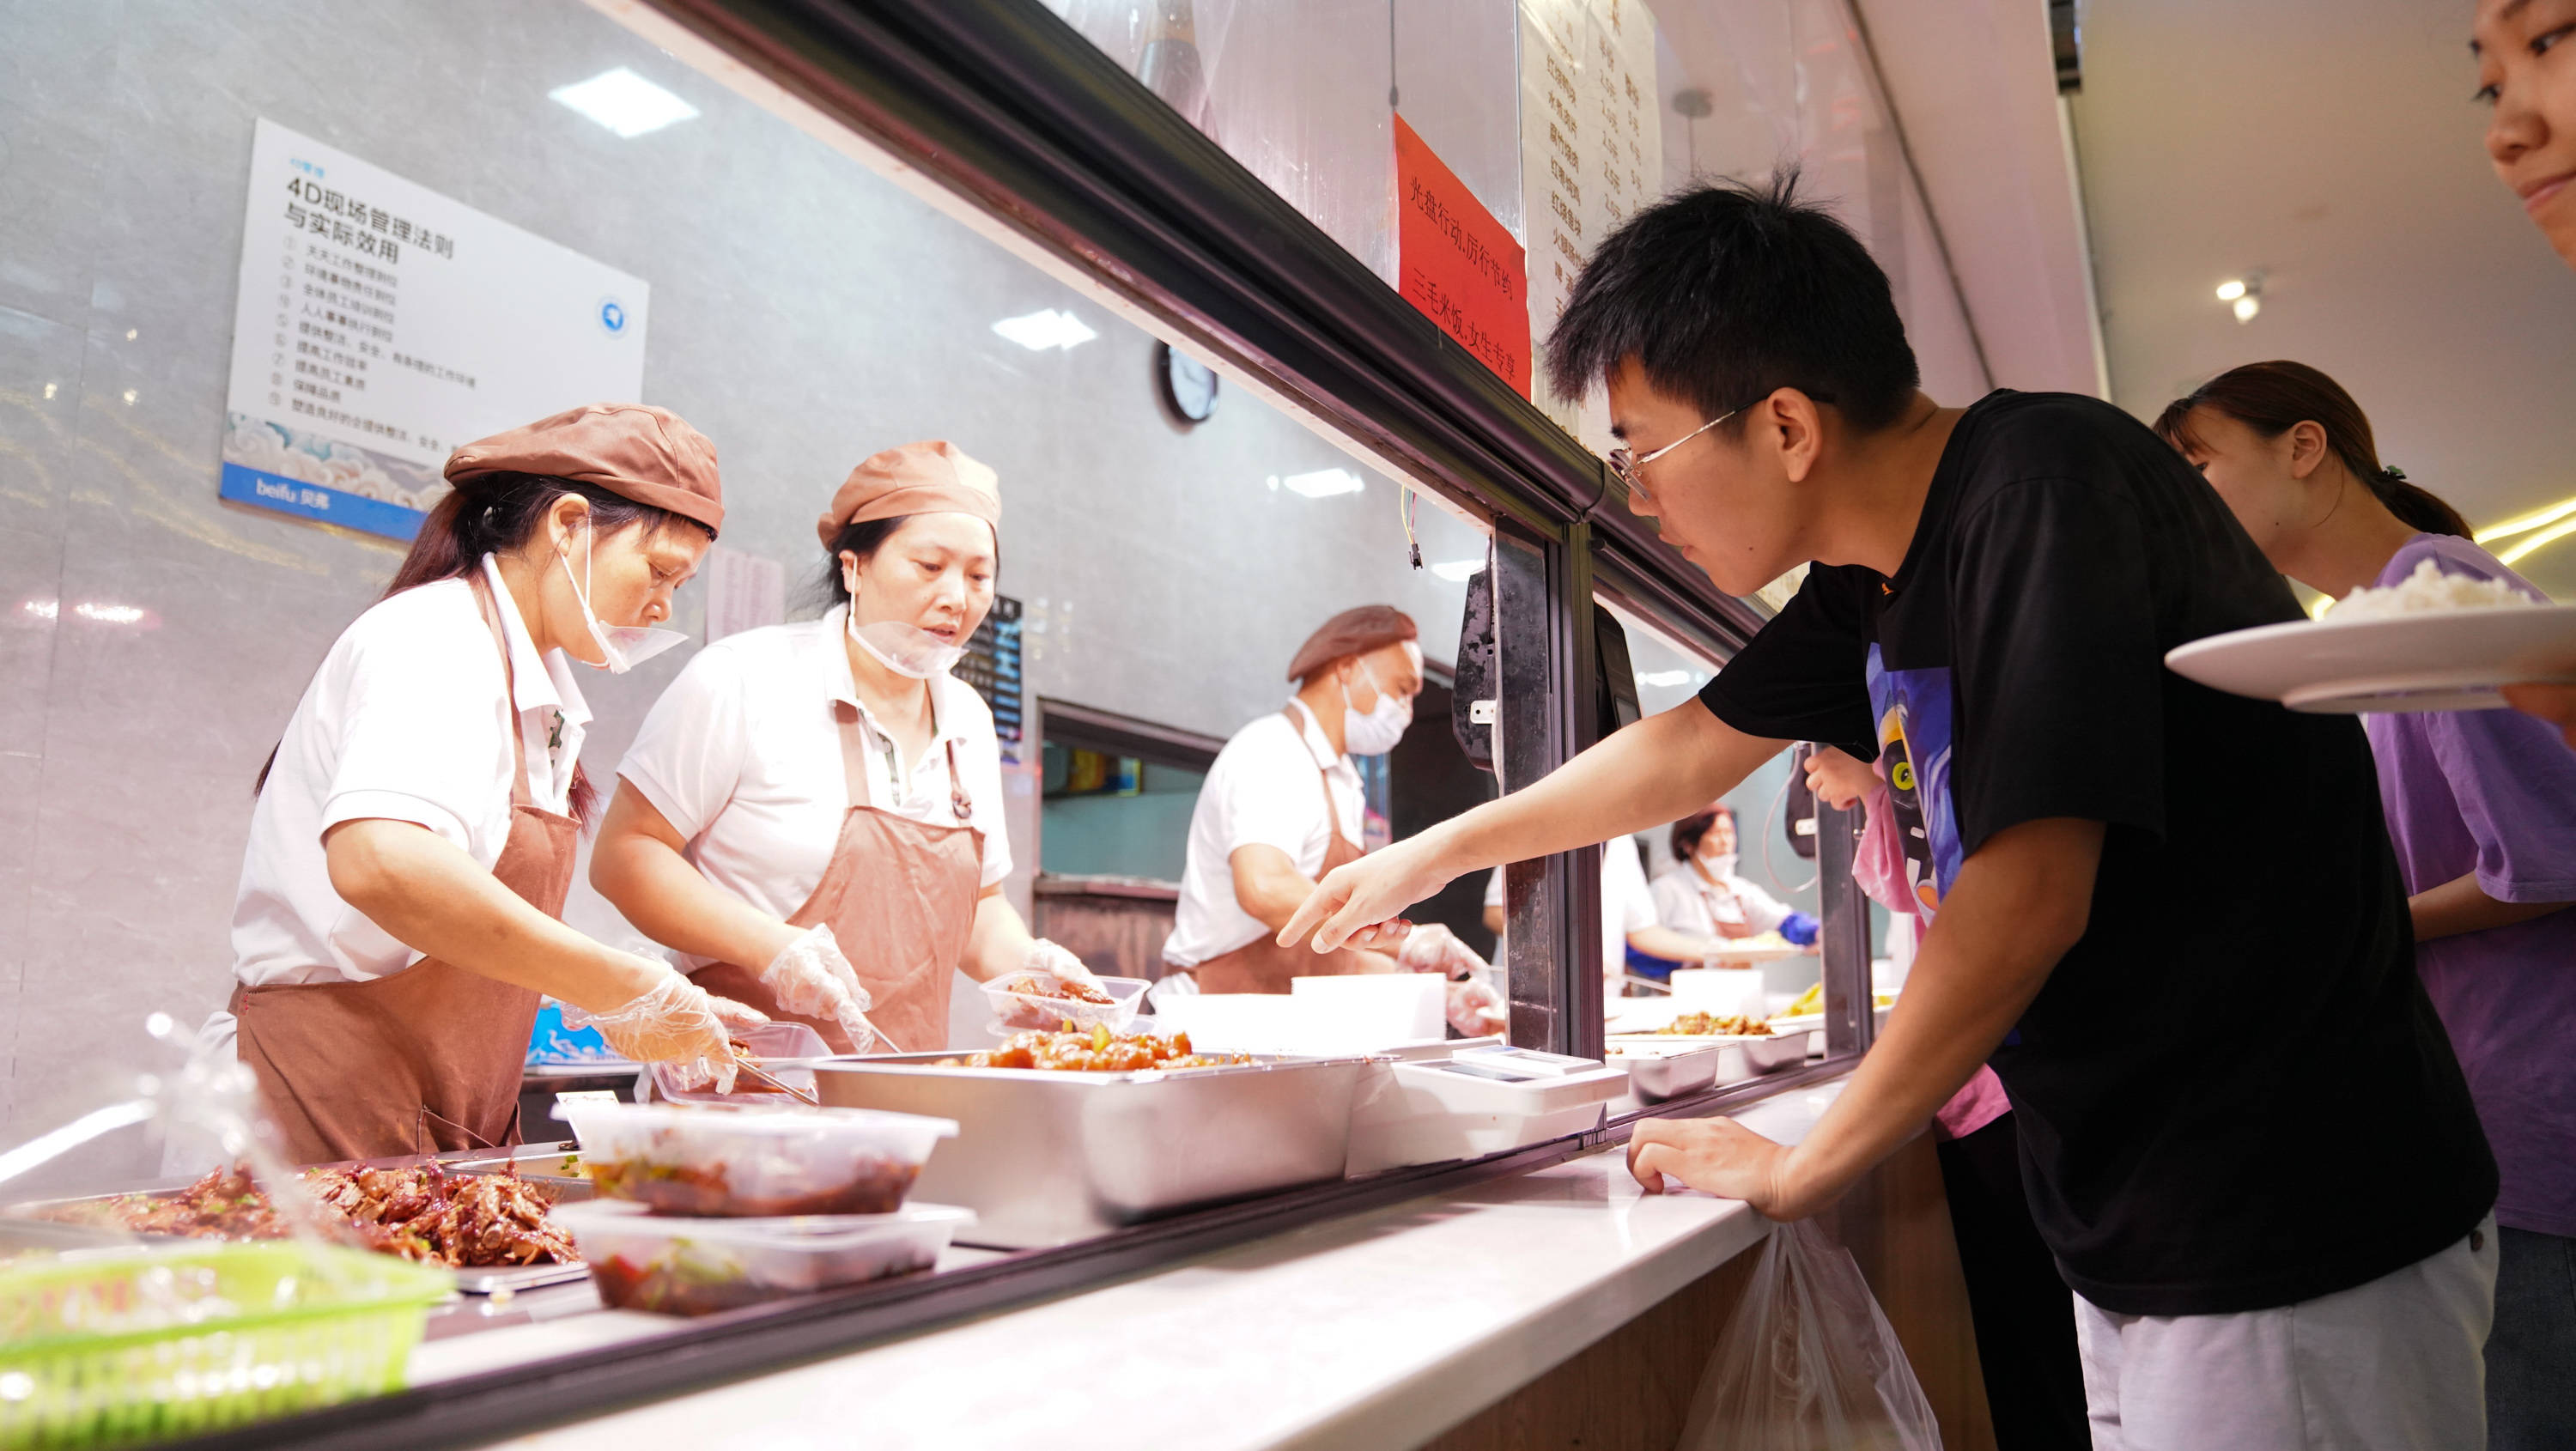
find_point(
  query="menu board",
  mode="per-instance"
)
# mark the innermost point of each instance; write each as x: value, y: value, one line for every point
x: 1591, y: 154
x: 992, y: 665
x: 379, y: 324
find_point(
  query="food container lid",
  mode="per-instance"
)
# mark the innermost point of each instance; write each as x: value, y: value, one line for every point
x: 624, y: 1219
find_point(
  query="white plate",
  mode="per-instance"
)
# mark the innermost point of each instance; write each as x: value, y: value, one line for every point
x: 2435, y: 660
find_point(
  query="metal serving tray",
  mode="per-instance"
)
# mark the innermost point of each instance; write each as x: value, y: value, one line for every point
x: 1047, y: 1158
x: 1655, y: 1077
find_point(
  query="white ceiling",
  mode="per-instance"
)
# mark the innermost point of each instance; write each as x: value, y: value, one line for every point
x: 2334, y: 145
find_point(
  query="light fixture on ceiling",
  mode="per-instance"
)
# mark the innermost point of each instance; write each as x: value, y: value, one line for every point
x: 2538, y: 529
x: 1324, y: 483
x: 1662, y: 678
x: 2243, y: 295
x: 624, y: 102
x: 1039, y: 331
x: 1458, y: 571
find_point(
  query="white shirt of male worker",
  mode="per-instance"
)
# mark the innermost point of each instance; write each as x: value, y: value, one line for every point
x: 1261, y: 791
x: 742, y: 755
x: 1686, y: 903
x: 1627, y: 904
x: 403, y: 722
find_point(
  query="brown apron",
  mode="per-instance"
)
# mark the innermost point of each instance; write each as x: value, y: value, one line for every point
x: 1262, y: 965
x: 426, y: 1059
x: 899, y: 896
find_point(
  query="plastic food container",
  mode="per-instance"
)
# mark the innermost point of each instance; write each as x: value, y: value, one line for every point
x: 1014, y: 1011
x: 675, y: 1266
x: 1361, y: 1012
x: 754, y: 1163
x: 154, y: 1345
x: 769, y: 1040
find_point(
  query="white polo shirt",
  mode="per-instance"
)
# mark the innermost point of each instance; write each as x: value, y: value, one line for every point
x: 1627, y: 904
x: 742, y: 755
x: 1263, y: 789
x: 1688, y: 904
x: 406, y: 720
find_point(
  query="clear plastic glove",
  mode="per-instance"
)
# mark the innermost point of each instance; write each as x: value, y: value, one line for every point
x: 1058, y: 962
x: 813, y: 980
x: 1475, y: 1008
x: 675, y: 1021
x: 1430, y: 947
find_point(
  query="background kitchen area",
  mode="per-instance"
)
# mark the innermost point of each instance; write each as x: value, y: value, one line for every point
x: 1164, y: 266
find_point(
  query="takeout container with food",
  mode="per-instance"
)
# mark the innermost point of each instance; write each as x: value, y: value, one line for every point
x: 763, y: 1045
x: 753, y: 1163
x: 1036, y: 1000
x: 672, y: 1265
x: 1045, y: 1157
x: 116, y: 1348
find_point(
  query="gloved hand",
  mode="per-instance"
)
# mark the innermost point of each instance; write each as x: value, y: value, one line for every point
x: 812, y: 979
x: 678, y: 1022
x: 1799, y: 928
x: 1475, y: 1008
x: 1058, y: 962
x: 1431, y: 947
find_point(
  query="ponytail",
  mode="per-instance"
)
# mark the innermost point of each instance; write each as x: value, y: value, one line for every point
x: 2272, y: 398
x: 501, y: 513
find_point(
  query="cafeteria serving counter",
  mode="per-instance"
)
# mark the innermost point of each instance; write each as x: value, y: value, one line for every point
x: 1564, y: 1289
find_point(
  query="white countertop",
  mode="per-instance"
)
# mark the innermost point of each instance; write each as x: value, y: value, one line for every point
x: 1377, y: 1330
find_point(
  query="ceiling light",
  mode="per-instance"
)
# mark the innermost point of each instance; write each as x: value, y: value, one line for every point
x: 1664, y: 677
x: 1324, y: 483
x: 2530, y: 543
x: 2246, y: 307
x: 43, y: 609
x: 1458, y: 571
x: 624, y: 102
x: 2524, y: 523
x: 1039, y: 331
x: 109, y: 614
x: 2232, y: 289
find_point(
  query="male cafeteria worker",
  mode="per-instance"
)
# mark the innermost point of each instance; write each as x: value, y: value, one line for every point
x: 397, y: 919
x: 1281, y: 807
x: 809, y: 796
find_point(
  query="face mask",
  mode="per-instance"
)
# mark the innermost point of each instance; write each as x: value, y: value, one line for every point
x: 1721, y: 865
x: 907, y: 650
x: 1375, y: 733
x: 621, y: 647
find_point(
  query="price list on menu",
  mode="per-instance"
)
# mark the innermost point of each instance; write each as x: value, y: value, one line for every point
x: 379, y: 324
x: 992, y: 666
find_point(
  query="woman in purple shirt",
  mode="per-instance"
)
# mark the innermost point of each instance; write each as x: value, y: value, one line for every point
x: 2482, y: 811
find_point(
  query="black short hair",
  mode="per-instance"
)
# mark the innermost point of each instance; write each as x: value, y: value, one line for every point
x: 1725, y: 292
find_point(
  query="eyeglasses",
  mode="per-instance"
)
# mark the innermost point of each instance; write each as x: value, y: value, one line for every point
x: 1626, y: 463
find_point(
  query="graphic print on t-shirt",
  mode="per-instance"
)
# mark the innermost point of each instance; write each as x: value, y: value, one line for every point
x: 1912, y: 708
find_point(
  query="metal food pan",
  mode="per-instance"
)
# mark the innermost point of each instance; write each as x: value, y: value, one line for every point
x: 1655, y: 1077
x: 1045, y: 1158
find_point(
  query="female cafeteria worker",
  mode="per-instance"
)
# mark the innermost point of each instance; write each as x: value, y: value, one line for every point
x: 2481, y: 806
x: 807, y: 791
x: 397, y: 918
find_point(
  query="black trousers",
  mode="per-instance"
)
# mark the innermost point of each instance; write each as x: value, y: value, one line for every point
x: 2025, y: 1315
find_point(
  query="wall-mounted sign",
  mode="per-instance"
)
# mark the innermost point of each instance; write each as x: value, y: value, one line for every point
x: 380, y: 324
x: 1457, y: 264
x: 1591, y: 153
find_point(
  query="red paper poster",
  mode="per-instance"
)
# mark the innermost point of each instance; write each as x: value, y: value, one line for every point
x: 1457, y: 264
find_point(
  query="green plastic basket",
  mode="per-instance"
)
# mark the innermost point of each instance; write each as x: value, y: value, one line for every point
x: 287, y: 1327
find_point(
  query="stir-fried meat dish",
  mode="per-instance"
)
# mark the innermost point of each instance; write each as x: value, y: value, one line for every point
x: 420, y: 1212
x: 875, y: 1186
x: 1098, y: 1051
x: 1048, y: 985
x: 1710, y: 1025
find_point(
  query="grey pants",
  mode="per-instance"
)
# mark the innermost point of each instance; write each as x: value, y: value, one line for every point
x: 2531, y: 1356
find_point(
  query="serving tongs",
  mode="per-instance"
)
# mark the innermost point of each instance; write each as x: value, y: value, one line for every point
x: 745, y: 1066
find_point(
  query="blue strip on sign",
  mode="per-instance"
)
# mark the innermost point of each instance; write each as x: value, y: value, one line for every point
x: 263, y: 490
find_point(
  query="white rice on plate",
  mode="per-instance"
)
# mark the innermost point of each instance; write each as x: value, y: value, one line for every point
x: 2428, y: 588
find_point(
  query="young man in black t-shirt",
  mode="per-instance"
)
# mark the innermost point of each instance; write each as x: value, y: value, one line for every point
x: 2169, y: 916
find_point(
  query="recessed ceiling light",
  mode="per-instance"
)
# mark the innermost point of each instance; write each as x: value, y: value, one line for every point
x: 2232, y: 289
x: 624, y: 102
x: 1458, y: 571
x: 1324, y: 483
x: 1039, y: 331
x: 2246, y: 308
x: 1664, y: 677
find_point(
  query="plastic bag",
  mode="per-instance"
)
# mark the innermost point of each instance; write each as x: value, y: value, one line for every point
x: 1808, y: 1363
